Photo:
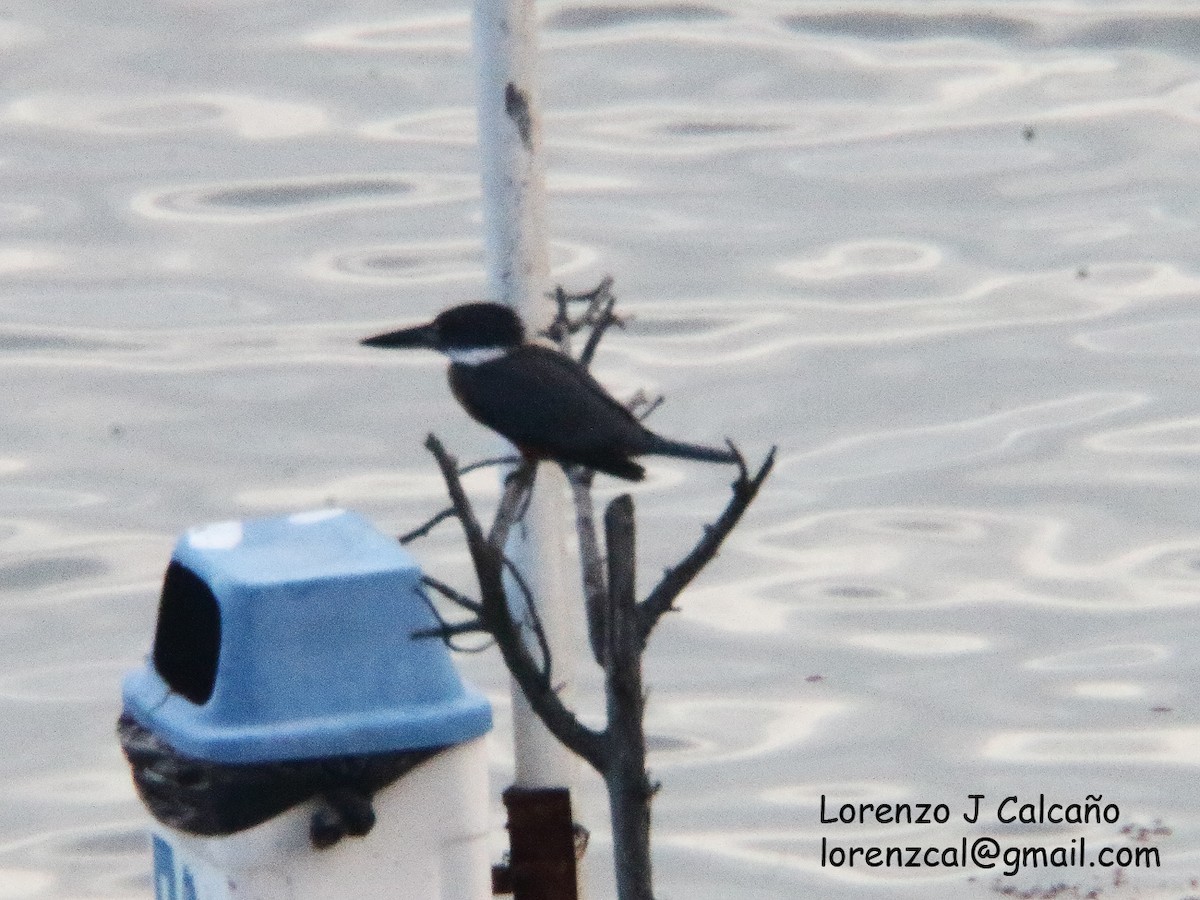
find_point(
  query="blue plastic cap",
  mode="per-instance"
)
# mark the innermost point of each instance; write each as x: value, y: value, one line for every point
x: 292, y: 638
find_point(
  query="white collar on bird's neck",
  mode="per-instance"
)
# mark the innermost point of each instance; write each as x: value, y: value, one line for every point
x: 475, y: 356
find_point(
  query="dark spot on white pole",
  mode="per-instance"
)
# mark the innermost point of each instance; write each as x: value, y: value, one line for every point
x: 517, y: 108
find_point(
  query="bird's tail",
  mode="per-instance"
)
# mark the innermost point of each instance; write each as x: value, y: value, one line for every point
x: 661, y: 446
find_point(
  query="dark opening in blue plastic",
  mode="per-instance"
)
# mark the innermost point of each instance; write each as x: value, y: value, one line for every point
x: 187, y: 641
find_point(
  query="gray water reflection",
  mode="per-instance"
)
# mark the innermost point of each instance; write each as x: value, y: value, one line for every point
x: 945, y: 258
x: 609, y: 16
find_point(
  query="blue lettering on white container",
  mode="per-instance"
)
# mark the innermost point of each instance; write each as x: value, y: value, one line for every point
x: 164, y: 870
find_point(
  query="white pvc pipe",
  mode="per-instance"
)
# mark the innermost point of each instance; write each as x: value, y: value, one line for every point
x: 518, y: 273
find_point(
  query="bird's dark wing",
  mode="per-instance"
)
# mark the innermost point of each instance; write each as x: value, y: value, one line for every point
x: 546, y: 403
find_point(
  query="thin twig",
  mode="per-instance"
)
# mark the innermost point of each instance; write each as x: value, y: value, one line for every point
x: 460, y: 600
x: 447, y: 631
x: 510, y: 460
x: 559, y: 329
x: 564, y: 324
x: 535, y: 621
x: 449, y: 512
x: 641, y: 399
x: 422, y: 530
x: 604, y: 320
x: 433, y: 610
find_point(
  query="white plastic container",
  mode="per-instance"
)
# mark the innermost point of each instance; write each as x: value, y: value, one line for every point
x: 430, y: 842
x: 291, y: 652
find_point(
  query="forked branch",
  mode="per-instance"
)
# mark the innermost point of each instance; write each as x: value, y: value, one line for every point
x: 675, y: 579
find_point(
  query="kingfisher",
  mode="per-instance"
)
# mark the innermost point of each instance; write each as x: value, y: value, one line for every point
x: 544, y: 402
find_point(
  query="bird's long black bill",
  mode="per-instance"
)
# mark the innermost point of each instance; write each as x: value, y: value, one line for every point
x: 420, y: 336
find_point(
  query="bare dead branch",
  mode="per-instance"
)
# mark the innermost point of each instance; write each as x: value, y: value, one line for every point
x: 447, y: 631
x: 591, y: 562
x: 518, y: 489
x: 629, y: 789
x: 420, y: 531
x: 497, y: 620
x: 535, y: 621
x: 675, y: 579
x: 642, y: 404
x: 619, y: 536
x: 449, y: 512
x: 593, y: 298
x: 458, y: 497
x: 510, y: 460
x: 604, y: 319
x: 460, y: 600
x: 564, y: 324
x: 559, y: 329
x: 433, y: 610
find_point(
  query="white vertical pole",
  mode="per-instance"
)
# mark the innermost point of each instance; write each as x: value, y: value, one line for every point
x: 518, y: 271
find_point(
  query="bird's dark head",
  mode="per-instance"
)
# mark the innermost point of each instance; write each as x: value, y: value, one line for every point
x: 477, y: 325
x: 459, y: 330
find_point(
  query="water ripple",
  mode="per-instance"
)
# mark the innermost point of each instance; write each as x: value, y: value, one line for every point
x: 1145, y: 746
x: 680, y: 130
x: 84, y: 683
x: 1106, y: 656
x: 844, y: 561
x: 20, y: 213
x: 603, y: 16
x: 75, y: 788
x: 434, y: 33
x: 103, y: 859
x: 848, y: 316
x: 1041, y: 27
x: 871, y: 25
x: 935, y: 446
x: 695, y: 733
x: 432, y: 263
x: 1172, y: 437
x: 95, y: 843
x: 252, y: 118
x: 856, y: 258
x: 205, y: 349
x: 31, y: 574
x: 259, y: 201
x: 366, y: 488
x: 920, y: 644
x: 1162, y: 337
x: 10, y: 465
x: 450, y: 32
x: 718, y: 731
x: 47, y: 566
x: 1108, y: 690
x: 989, y: 301
x: 658, y: 130
x: 20, y: 259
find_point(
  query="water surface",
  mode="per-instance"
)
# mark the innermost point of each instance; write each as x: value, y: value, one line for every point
x: 945, y: 257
